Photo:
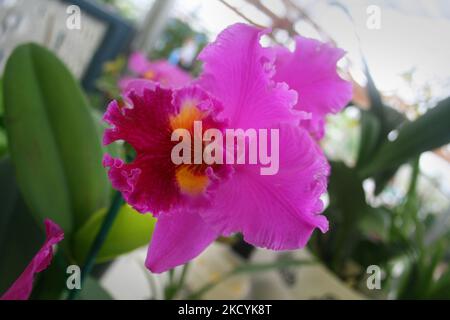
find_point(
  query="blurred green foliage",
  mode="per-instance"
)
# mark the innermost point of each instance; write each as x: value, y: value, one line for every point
x: 3, y: 140
x: 402, y: 237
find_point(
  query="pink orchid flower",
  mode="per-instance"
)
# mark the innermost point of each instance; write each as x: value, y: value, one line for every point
x: 22, y: 287
x: 160, y: 71
x: 196, y: 203
x: 311, y: 71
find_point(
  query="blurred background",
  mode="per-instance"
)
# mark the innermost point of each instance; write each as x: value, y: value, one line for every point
x: 389, y: 195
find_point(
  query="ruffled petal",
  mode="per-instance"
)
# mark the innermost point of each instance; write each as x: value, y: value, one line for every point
x: 142, y: 124
x: 152, y: 182
x: 311, y: 71
x: 147, y: 183
x: 275, y: 211
x: 238, y: 71
x: 315, y: 125
x: 22, y: 287
x: 179, y: 236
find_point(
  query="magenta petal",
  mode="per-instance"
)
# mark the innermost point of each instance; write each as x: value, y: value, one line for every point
x: 315, y: 125
x: 170, y: 75
x: 179, y: 236
x: 144, y: 121
x: 160, y: 71
x: 275, y: 211
x: 22, y: 287
x: 127, y: 85
x: 147, y: 182
x: 238, y: 71
x: 138, y: 63
x: 311, y: 71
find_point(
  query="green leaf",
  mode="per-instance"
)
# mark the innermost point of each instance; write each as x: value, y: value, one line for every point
x: 279, y: 264
x: 376, y: 124
x: 418, y: 281
x: 441, y: 288
x: 20, y: 236
x: 429, y: 132
x: 377, y: 107
x: 51, y: 283
x: 382, y: 179
x: 376, y: 223
x: 3, y: 143
x: 388, y: 117
x: 130, y: 230
x: 347, y: 207
x: 92, y: 290
x: 393, y: 120
x: 370, y: 135
x: 52, y: 139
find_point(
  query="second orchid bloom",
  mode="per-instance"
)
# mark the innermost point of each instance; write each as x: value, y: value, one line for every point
x: 243, y: 86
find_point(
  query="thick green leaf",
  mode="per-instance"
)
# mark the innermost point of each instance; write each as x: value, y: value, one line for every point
x: 429, y: 132
x: 20, y: 236
x: 3, y: 143
x: 52, y: 139
x: 130, y: 230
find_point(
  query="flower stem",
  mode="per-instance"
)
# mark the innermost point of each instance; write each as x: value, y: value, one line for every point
x: 183, y: 275
x: 111, y: 215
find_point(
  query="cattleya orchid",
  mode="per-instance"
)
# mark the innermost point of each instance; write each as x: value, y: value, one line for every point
x: 160, y: 71
x: 22, y: 287
x: 239, y: 89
